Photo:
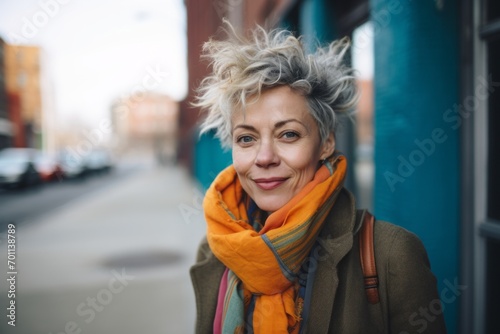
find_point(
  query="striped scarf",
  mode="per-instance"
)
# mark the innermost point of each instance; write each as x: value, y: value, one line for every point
x: 265, y: 264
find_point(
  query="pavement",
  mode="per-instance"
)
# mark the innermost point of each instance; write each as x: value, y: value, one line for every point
x: 113, y: 261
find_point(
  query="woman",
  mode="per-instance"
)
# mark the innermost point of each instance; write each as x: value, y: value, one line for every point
x: 281, y: 254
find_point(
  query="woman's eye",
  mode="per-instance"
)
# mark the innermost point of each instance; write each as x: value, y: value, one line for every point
x: 245, y: 139
x: 290, y: 135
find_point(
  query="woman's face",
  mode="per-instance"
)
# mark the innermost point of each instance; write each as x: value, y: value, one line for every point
x: 277, y: 147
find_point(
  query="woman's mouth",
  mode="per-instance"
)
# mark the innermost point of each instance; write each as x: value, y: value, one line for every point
x: 269, y: 183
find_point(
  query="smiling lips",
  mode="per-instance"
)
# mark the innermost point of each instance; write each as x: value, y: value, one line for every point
x: 270, y: 183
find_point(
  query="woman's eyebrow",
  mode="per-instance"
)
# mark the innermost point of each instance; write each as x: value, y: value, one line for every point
x: 277, y: 125
x: 284, y: 122
x: 244, y: 126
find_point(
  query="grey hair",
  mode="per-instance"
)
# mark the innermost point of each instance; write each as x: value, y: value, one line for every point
x: 243, y: 68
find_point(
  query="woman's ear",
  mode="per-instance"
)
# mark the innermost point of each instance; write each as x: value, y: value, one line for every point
x: 328, y: 147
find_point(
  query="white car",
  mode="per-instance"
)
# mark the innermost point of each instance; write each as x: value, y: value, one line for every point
x: 17, y: 167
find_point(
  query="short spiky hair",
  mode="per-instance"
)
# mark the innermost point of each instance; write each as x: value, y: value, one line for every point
x: 243, y: 68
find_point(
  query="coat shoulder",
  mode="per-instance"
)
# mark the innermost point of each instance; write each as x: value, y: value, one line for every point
x: 407, y: 283
x: 398, y: 244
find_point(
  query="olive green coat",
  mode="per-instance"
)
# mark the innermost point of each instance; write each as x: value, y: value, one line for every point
x: 409, y: 301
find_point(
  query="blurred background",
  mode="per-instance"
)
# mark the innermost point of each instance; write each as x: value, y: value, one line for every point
x: 102, y: 168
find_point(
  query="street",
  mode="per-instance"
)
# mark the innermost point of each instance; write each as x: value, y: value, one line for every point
x: 20, y: 205
x: 110, y: 260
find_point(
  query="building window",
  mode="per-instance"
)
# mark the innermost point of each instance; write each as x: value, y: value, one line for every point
x: 22, y: 79
x: 19, y: 56
x: 492, y: 287
x: 493, y: 133
x: 492, y: 10
x: 489, y: 118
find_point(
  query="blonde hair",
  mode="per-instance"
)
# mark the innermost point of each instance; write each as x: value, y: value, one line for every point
x: 242, y: 68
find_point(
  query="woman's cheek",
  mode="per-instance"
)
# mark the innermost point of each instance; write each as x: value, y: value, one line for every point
x: 296, y: 159
x: 242, y: 159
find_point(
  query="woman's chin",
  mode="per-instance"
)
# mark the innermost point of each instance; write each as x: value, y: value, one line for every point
x: 270, y: 204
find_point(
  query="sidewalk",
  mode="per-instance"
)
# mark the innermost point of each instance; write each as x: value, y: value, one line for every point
x: 116, y: 261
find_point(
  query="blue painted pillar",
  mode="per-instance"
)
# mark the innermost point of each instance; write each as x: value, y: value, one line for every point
x: 317, y: 23
x: 416, y: 137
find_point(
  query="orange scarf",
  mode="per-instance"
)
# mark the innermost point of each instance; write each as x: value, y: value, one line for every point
x: 266, y: 263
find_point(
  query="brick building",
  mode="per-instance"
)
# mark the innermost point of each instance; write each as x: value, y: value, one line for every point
x: 6, y: 130
x: 22, y: 79
x: 146, y: 122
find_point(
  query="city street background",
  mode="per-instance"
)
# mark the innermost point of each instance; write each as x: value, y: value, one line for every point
x: 88, y: 87
x: 127, y: 243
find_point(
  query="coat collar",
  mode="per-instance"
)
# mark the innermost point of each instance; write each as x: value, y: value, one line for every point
x: 335, y: 240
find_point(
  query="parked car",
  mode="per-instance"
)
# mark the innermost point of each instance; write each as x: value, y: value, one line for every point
x: 17, y: 168
x: 48, y: 167
x: 72, y: 166
x: 98, y: 161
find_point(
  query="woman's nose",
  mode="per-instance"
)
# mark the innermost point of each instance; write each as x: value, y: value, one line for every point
x: 266, y: 155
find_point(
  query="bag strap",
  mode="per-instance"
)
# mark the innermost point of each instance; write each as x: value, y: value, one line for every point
x: 367, y: 257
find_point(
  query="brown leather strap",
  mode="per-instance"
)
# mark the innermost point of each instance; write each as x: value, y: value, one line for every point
x: 367, y: 256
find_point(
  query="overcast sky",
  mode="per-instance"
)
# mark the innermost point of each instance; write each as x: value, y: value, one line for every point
x: 98, y: 50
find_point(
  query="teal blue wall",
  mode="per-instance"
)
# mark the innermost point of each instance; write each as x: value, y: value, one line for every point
x: 316, y: 22
x: 209, y: 159
x: 416, y: 145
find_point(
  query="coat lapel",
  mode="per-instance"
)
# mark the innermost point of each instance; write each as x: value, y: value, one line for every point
x: 206, y: 276
x: 335, y: 241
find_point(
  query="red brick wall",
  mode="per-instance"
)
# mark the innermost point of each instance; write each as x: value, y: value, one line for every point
x: 14, y: 109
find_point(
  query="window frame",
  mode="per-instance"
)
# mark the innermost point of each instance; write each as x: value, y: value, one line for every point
x: 477, y: 228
